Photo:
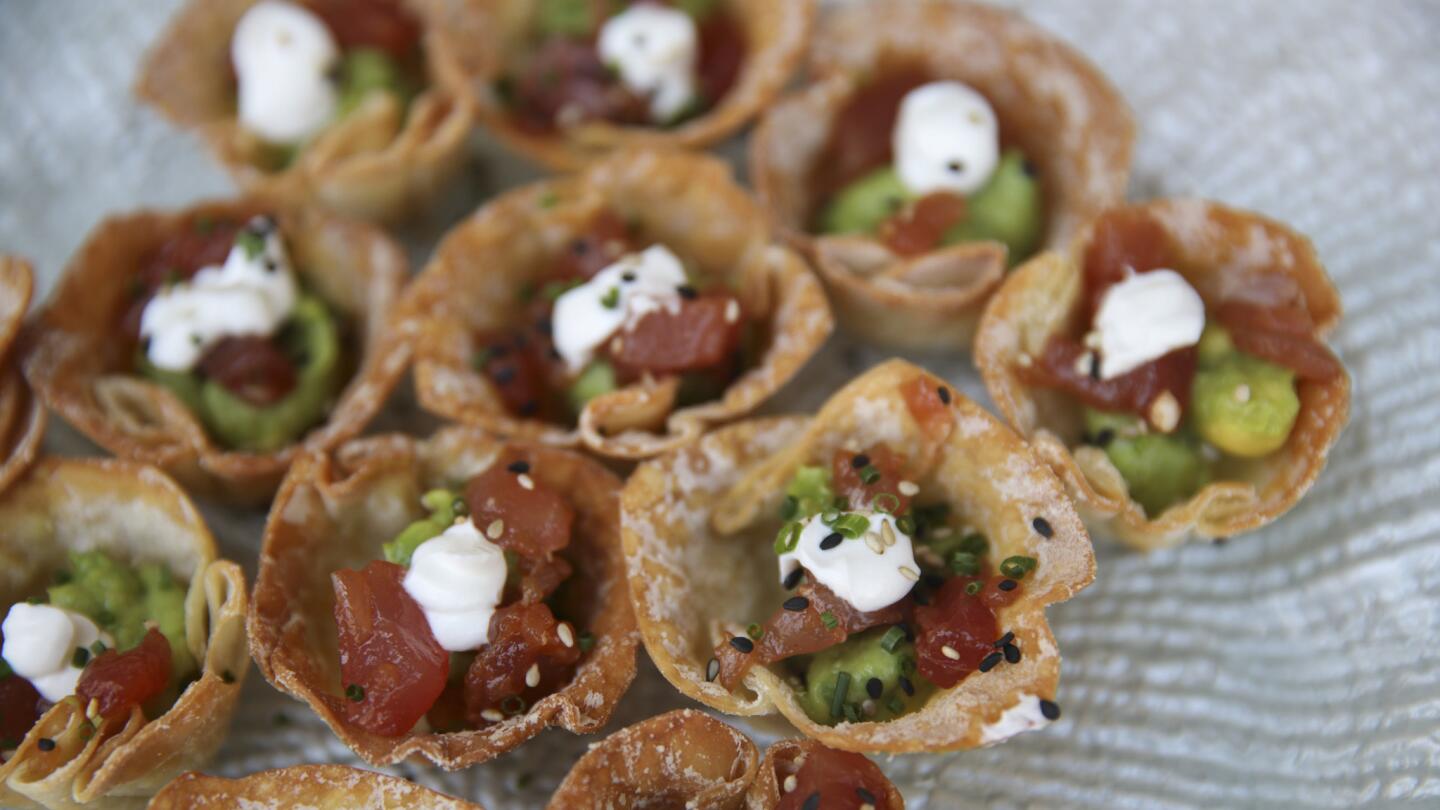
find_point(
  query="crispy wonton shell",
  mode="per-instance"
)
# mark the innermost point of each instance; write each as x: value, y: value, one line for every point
x: 137, y: 513
x: 336, y: 511
x: 1219, y: 248
x: 1054, y: 104
x: 486, y: 37
x: 697, y: 535
x: 372, y: 164
x: 686, y: 201
x: 80, y: 369
x: 22, y: 417
x: 319, y: 787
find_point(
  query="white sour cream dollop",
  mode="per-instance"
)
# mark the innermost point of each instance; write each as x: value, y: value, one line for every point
x: 946, y: 138
x: 283, y: 56
x: 616, y: 297
x: 1145, y: 317
x: 655, y: 49
x: 852, y: 568
x: 40, y: 644
x: 248, y: 295
x: 457, y: 579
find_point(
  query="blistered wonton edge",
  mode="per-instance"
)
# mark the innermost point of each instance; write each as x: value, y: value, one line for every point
x: 61, y: 505
x: 74, y: 362
x: 687, y: 201
x: 302, y: 786
x: 1219, y: 247
x: 692, y: 585
x: 1072, y: 123
x: 335, y: 510
x: 22, y: 416
x: 477, y: 32
x: 768, y: 787
x: 183, y: 77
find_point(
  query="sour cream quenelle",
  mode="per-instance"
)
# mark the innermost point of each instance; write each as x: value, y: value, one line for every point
x: 284, y: 56
x: 458, y: 579
x: 655, y: 50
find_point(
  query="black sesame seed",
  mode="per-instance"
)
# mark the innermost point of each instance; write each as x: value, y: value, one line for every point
x: 1050, y: 709
x: 1104, y: 437
x: 743, y: 644
x: 933, y: 581
x: 865, y: 795
x: 579, y: 247
x: 1043, y: 527
x: 543, y: 327
x: 793, y: 578
x: 812, y: 802
x: 859, y: 461
x: 46, y: 744
x: 227, y: 676
x: 796, y: 603
x: 906, y: 686
x: 1007, y: 584
x: 712, y: 669
x: 627, y: 276
x: 1005, y: 639
x: 529, y: 408
x: 955, y: 166
x: 1094, y: 366
x: 505, y: 375
x: 271, y: 266
x: 944, y: 394
x: 989, y: 662
x: 686, y: 291
x: 519, y: 467
x: 874, y: 688
x: 831, y: 540
x: 1012, y: 653
x: 1029, y: 168
x: 554, y: 355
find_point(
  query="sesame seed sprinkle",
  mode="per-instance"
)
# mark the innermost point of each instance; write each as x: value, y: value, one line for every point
x: 495, y: 529
x: 519, y: 467
x: 1007, y: 585
x: 732, y: 311
x: 873, y: 541
x: 790, y: 783
x: 1050, y: 709
x: 1005, y: 639
x: 532, y: 676
x: 909, y: 573
x: 831, y: 541
x: 812, y: 802
x: 742, y: 644
x: 887, y: 534
x: 908, y: 488
x: 944, y: 394
x: 712, y: 670
x: 1012, y: 653
x: 989, y: 662
x: 491, y: 716
x: 796, y: 604
x: 1042, y: 526
x: 950, y: 652
x: 874, y: 688
x: 859, y: 461
x: 865, y: 795
x: 525, y: 481
x: 567, y: 636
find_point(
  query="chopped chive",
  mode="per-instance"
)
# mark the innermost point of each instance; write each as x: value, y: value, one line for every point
x: 974, y: 588
x: 906, y: 524
x: 755, y: 631
x: 355, y: 692
x: 513, y: 705
x: 80, y: 658
x: 829, y: 516
x: 1017, y: 567
x: 251, y: 242
x: 788, y: 538
x: 886, y: 502
x: 895, y: 705
x: 851, y: 713
x: 869, y: 474
x: 842, y: 687
x: 974, y: 543
x: 828, y: 619
x: 892, y: 639
x: 964, y: 563
x: 586, y: 642
x: 611, y: 299
x: 851, y: 525
x: 907, y: 665
x: 5, y: 670
x: 789, y: 508
x: 481, y: 358
x: 62, y: 576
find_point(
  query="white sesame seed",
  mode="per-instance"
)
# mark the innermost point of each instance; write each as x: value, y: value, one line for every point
x: 868, y: 708
x: 1084, y: 362
x: 909, y: 489
x: 942, y: 532
x: 873, y: 541
x: 887, y: 534
x: 791, y: 782
x: 617, y: 345
x: 495, y: 529
x: 1242, y: 393
x: 532, y: 676
x: 909, y: 573
x: 1165, y: 412
x: 1024, y: 360
x: 1092, y: 340
x: 950, y: 652
x: 566, y: 636
x: 491, y: 716
x: 459, y: 519
x: 732, y: 311
x: 525, y: 481
x: 867, y: 806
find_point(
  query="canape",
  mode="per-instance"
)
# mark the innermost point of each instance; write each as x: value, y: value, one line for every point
x: 624, y: 308
x: 317, y: 786
x: 937, y: 144
x: 1171, y: 366
x: 216, y: 341
x: 349, y: 104
x: 450, y: 597
x: 877, y: 573
x: 124, y: 637
x: 22, y: 417
x: 565, y: 82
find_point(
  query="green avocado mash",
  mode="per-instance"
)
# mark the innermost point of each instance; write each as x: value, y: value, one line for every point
x: 855, y: 663
x: 121, y: 598
x: 444, y: 506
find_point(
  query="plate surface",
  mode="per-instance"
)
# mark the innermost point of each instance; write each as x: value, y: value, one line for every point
x: 1293, y: 667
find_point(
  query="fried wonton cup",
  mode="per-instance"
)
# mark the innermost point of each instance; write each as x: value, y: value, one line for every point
x: 486, y: 37
x: 135, y: 513
x: 379, y: 162
x: 321, y: 787
x: 336, y: 511
x: 1218, y: 250
x: 698, y: 532
x: 80, y: 366
x: 22, y: 417
x: 1052, y: 103
x: 686, y: 201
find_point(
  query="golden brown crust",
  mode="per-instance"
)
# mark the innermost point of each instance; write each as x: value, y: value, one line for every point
x: 372, y: 164
x: 697, y: 546
x: 1218, y: 248
x: 80, y: 369
x: 487, y: 36
x: 785, y: 758
x: 22, y: 417
x: 686, y: 201
x: 336, y: 511
x: 320, y: 787
x: 137, y: 513
x: 1051, y: 101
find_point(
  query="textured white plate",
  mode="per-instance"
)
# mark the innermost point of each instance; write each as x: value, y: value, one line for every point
x: 1297, y: 666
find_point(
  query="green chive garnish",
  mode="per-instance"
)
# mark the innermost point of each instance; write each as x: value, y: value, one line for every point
x: 611, y: 299
x: 98, y: 647
x: 842, y: 687
x: 974, y: 588
x: 788, y: 538
x: 514, y: 704
x: 895, y: 705
x: 5, y: 670
x: 789, y: 508
x: 851, y: 525
x: 964, y: 563
x: 869, y: 474
x: 755, y: 631
x: 886, y: 502
x: 1017, y: 567
x: 974, y: 543
x: 480, y: 358
x: 586, y: 641
x: 252, y: 243
x: 355, y: 692
x: 80, y: 658
x: 906, y: 524
x: 892, y: 639
x: 852, y: 713
x: 554, y: 289
x: 828, y: 619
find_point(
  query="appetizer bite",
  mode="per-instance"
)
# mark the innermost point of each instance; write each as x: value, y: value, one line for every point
x: 939, y: 144
x: 215, y: 341
x: 878, y: 573
x: 345, y: 103
x: 1170, y: 366
x: 450, y: 598
x: 22, y: 417
x: 625, y: 308
x: 565, y: 82
x: 124, y: 639
x: 303, y: 786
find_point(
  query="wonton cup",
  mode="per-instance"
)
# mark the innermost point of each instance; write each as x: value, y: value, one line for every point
x: 379, y: 162
x: 686, y: 201
x: 1217, y: 249
x: 135, y: 513
x: 698, y: 528
x: 336, y: 511
x: 1071, y: 123
x: 22, y: 417
x: 80, y: 367
x: 486, y: 37
x: 336, y: 787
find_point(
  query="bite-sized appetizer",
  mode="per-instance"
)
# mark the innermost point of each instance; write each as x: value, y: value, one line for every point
x: 940, y: 143
x: 22, y: 417
x: 877, y: 573
x: 303, y: 786
x: 565, y: 82
x: 344, y: 103
x: 689, y: 759
x: 450, y: 598
x: 626, y: 307
x: 1171, y: 367
x: 215, y: 341
x: 123, y: 636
